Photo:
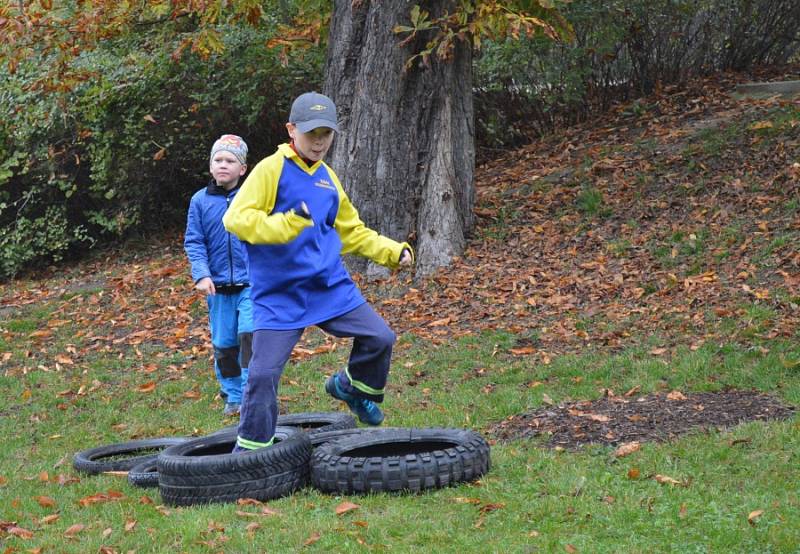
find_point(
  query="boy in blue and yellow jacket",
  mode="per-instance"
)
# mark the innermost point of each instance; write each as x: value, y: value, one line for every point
x: 296, y: 222
x: 219, y: 269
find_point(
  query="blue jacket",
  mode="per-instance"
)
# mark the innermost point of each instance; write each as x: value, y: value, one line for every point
x: 213, y: 251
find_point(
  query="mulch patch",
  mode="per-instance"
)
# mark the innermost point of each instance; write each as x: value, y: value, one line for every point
x: 616, y: 420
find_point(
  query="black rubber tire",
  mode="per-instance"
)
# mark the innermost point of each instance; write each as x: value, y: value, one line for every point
x: 203, y: 470
x: 144, y: 474
x: 328, y: 436
x: 390, y: 460
x: 310, y: 422
x: 126, y: 455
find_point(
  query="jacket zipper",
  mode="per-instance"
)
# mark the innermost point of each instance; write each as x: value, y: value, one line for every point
x: 230, y: 246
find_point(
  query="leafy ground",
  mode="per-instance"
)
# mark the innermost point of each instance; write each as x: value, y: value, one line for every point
x: 642, y: 260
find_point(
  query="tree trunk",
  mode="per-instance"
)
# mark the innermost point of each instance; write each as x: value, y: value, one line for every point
x: 405, y: 151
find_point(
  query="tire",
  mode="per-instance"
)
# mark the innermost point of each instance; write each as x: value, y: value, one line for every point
x: 203, y: 470
x: 310, y: 422
x: 144, y: 474
x: 125, y: 455
x: 327, y: 436
x: 390, y: 460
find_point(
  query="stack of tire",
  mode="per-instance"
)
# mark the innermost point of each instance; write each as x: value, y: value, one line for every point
x: 324, y: 449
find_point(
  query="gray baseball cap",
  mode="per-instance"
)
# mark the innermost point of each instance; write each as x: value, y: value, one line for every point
x: 311, y: 110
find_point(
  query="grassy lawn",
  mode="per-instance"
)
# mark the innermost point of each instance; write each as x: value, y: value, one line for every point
x: 634, y: 259
x: 533, y: 499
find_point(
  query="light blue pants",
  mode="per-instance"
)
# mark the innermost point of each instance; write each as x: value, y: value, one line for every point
x: 231, y: 317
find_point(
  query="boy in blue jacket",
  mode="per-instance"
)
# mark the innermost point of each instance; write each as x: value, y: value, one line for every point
x: 297, y: 222
x: 219, y: 269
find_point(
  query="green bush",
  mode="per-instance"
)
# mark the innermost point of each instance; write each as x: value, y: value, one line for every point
x: 621, y: 50
x: 123, y: 151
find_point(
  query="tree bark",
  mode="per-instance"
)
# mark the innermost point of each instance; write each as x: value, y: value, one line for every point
x: 405, y: 151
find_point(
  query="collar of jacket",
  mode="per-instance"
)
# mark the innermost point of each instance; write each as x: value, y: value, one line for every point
x: 214, y: 188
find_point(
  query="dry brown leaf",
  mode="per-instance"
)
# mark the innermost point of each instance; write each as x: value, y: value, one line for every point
x: 46, y: 520
x: 45, y: 501
x: 130, y: 525
x: 633, y: 473
x: 19, y: 532
x: 570, y: 548
x: 676, y: 395
x: 345, y: 507
x: 523, y: 351
x: 627, y: 448
x: 665, y: 480
x: 147, y: 387
x: 251, y: 527
x: 633, y: 391
x: 312, y: 539
x: 753, y: 516
x: 73, y: 530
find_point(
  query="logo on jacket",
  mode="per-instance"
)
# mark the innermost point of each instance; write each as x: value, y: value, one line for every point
x: 324, y: 184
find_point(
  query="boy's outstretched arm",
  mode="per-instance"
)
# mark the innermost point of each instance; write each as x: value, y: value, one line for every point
x: 359, y: 239
x: 250, y: 215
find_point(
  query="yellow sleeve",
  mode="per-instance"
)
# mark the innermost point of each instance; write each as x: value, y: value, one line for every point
x: 359, y: 239
x: 250, y: 216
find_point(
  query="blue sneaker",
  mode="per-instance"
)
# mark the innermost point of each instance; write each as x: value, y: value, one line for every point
x: 367, y: 411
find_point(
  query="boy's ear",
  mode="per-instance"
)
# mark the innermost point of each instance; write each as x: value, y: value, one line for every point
x: 243, y: 170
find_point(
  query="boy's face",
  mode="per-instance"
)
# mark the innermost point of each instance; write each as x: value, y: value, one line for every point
x: 312, y: 145
x: 226, y: 169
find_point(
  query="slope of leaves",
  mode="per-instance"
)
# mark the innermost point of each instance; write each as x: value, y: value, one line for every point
x: 675, y: 217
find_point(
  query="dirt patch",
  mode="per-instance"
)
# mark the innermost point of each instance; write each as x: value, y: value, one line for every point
x: 656, y: 417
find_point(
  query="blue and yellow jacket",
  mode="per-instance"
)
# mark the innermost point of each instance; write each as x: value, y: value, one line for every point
x: 296, y: 270
x: 211, y: 249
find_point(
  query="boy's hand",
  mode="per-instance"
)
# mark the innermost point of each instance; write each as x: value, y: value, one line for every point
x: 206, y: 285
x: 405, y: 257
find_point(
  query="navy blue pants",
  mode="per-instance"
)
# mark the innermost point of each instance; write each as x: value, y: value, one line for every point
x: 365, y: 375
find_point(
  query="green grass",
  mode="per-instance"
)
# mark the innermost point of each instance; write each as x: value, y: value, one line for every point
x: 534, y: 499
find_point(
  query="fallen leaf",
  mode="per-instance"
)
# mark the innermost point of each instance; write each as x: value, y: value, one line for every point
x: 46, y: 520
x: 312, y: 539
x: 633, y: 391
x: 676, y: 395
x: 147, y: 387
x: 251, y: 527
x: 73, y: 530
x: 571, y: 549
x: 345, y: 507
x: 633, y: 473
x: 130, y: 525
x: 753, y: 516
x: 45, y: 501
x: 682, y: 512
x: 20, y: 532
x: 546, y: 399
x: 665, y: 480
x: 627, y: 448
